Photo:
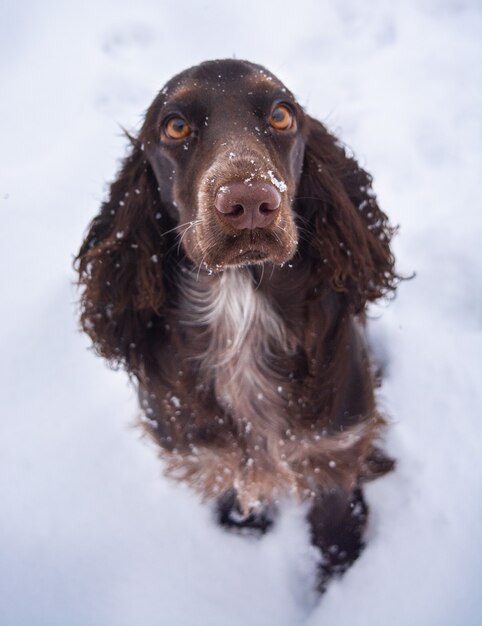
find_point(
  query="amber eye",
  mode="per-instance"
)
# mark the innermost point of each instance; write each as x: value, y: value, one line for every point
x: 281, y: 117
x: 176, y: 128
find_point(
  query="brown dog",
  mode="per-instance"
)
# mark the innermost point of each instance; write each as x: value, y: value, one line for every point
x: 229, y: 271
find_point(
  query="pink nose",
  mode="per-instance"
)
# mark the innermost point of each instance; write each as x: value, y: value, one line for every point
x: 253, y: 205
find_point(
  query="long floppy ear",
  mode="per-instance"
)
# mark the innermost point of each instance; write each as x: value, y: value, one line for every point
x: 120, y: 265
x: 351, y: 234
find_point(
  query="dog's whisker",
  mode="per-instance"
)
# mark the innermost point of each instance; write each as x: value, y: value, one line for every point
x: 201, y: 263
x: 261, y: 277
x: 192, y: 224
x: 178, y: 227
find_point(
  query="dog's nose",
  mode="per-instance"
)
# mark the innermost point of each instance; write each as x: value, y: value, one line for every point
x: 248, y: 205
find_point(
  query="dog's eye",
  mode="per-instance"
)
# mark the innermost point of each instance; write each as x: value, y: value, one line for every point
x: 281, y: 117
x: 176, y: 128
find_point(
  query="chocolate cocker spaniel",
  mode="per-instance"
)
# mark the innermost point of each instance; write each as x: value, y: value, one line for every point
x: 229, y: 272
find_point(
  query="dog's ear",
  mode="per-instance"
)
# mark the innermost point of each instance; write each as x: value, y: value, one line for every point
x: 120, y: 265
x: 350, y: 242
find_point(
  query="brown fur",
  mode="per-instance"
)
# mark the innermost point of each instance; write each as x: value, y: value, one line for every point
x: 248, y: 345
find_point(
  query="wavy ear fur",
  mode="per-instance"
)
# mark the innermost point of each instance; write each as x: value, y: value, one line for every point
x: 120, y: 265
x: 351, y: 233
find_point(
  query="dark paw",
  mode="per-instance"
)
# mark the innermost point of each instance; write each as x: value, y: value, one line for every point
x: 337, y: 524
x: 256, y: 522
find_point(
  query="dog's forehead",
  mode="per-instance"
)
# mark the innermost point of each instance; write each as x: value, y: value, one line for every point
x: 226, y: 77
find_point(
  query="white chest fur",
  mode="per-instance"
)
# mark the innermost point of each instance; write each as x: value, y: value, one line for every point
x: 245, y: 336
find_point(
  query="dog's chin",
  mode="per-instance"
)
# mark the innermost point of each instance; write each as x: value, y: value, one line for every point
x: 251, y: 256
x: 228, y: 255
x: 246, y: 259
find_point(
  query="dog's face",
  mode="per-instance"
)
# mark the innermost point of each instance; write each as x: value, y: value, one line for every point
x: 226, y: 141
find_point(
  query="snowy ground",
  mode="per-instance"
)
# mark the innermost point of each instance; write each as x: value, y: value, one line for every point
x: 90, y: 533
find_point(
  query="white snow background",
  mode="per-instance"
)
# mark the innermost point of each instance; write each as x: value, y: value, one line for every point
x: 91, y: 534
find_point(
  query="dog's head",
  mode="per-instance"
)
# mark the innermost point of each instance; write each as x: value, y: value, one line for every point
x: 227, y: 170
x: 226, y: 142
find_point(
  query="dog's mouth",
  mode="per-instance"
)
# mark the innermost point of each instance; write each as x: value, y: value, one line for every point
x: 244, y: 249
x: 249, y: 257
x: 251, y: 248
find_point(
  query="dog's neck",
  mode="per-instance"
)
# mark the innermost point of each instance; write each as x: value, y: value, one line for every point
x: 245, y: 340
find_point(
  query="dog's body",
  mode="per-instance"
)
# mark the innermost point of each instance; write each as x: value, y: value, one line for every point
x: 229, y: 272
